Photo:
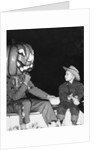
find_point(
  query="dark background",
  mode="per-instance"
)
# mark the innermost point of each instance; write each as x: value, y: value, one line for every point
x: 53, y: 48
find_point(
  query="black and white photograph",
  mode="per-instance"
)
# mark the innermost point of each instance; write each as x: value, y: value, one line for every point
x: 45, y: 77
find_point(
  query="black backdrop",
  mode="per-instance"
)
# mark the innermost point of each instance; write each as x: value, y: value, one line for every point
x: 53, y: 48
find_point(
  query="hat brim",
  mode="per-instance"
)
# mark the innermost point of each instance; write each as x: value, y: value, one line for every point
x: 77, y: 76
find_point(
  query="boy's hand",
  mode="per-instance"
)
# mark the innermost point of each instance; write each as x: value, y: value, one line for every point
x: 70, y: 97
x: 75, y: 100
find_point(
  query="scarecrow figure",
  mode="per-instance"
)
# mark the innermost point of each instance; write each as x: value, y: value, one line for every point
x: 20, y: 60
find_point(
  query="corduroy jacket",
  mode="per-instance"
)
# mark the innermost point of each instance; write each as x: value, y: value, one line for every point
x: 14, y: 94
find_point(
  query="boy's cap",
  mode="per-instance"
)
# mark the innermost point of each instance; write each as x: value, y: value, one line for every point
x: 74, y: 71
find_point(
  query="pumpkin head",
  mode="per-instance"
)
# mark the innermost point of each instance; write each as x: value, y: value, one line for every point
x: 20, y: 59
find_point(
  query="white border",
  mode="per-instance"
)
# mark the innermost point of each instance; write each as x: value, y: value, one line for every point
x: 44, y: 19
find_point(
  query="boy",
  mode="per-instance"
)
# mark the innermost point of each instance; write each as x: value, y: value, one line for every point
x: 70, y: 94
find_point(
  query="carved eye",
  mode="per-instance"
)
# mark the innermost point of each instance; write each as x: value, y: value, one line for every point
x: 21, y: 51
x: 31, y: 57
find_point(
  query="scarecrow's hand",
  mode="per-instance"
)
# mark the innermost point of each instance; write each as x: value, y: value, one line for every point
x: 27, y: 79
x: 54, y: 100
x: 30, y: 84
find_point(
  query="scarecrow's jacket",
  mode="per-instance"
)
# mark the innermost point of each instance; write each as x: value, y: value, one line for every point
x: 14, y: 94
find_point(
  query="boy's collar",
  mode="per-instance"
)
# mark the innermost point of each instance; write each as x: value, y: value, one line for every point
x: 70, y: 82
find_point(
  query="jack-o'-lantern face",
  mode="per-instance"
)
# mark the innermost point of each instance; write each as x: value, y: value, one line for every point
x: 20, y: 59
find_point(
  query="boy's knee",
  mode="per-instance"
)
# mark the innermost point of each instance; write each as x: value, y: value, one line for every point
x: 74, y: 119
x: 61, y: 117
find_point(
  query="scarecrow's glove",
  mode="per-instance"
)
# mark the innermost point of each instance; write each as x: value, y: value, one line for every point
x: 27, y: 80
x: 53, y: 99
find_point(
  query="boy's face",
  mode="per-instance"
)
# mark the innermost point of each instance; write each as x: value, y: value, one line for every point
x: 68, y: 76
